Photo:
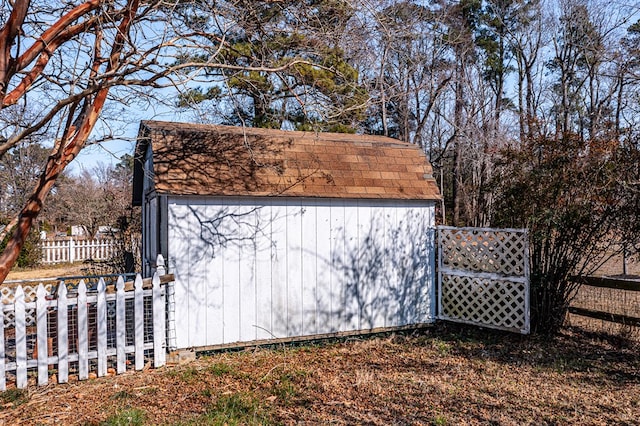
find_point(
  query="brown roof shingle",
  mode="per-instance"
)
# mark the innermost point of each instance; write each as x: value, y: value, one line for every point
x: 197, y: 159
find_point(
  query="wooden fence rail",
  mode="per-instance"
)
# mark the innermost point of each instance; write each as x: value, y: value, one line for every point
x: 605, y: 307
x: 82, y: 327
x: 609, y: 282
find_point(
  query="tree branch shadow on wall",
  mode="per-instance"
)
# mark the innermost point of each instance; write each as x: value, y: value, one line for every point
x: 385, y: 281
x: 381, y: 279
x: 205, y: 237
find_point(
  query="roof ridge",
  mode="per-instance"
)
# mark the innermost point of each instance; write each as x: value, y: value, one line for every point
x: 294, y: 134
x: 216, y: 160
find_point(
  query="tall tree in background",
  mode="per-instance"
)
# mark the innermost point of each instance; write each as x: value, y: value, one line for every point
x: 320, y: 90
x: 462, y: 20
x: 527, y: 37
x: 67, y: 60
x: 408, y: 71
x: 465, y: 79
x: 577, y: 41
x: 625, y: 123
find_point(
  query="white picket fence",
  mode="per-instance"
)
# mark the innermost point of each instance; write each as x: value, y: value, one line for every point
x: 83, y: 329
x: 70, y: 250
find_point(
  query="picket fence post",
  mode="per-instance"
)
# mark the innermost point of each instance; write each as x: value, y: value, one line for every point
x: 160, y: 268
x: 101, y: 320
x: 41, y: 335
x: 83, y: 332
x: 21, y: 339
x: 159, y: 319
x: 63, y: 334
x: 170, y: 332
x: 71, y: 251
x: 138, y: 314
x: 121, y: 324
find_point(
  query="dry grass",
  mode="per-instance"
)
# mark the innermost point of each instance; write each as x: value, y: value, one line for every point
x: 52, y: 271
x: 614, y: 266
x: 442, y: 376
x: 445, y: 375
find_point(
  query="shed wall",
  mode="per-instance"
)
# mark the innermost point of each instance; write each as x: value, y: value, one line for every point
x: 259, y: 268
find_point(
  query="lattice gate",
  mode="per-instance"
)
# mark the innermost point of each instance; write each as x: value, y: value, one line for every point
x: 483, y: 277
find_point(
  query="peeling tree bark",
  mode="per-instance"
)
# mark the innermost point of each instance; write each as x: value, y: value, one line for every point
x: 78, y: 128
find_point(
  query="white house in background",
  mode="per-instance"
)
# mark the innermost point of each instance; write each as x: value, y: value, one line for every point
x: 78, y: 231
x: 277, y: 234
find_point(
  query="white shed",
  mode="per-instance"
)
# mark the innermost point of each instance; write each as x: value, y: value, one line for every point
x: 276, y: 234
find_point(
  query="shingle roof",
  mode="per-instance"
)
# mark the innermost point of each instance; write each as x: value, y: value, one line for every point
x: 197, y: 159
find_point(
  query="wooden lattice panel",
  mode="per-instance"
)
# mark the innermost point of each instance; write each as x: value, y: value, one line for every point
x: 485, y: 302
x: 10, y: 319
x: 7, y: 296
x: 484, y: 277
x: 7, y: 293
x: 483, y: 250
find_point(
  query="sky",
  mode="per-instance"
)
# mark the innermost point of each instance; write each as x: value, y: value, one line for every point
x: 110, y: 152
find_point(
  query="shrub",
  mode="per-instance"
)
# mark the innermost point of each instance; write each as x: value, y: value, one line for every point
x: 577, y: 198
x: 30, y: 254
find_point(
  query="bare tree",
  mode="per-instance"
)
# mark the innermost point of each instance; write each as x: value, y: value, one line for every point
x: 89, y: 202
x: 33, y: 55
x: 19, y: 170
x: 71, y: 58
x: 408, y: 70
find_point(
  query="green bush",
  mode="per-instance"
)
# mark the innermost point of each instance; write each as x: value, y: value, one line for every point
x: 30, y: 254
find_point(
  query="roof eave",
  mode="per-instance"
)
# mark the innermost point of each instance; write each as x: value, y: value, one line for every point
x: 142, y: 143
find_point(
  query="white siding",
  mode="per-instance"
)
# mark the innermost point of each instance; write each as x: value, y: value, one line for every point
x: 279, y: 273
x: 265, y: 253
x: 257, y: 268
x: 334, y: 313
x: 309, y: 265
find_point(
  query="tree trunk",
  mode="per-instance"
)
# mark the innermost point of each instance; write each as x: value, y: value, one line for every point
x: 77, y: 131
x: 457, y: 147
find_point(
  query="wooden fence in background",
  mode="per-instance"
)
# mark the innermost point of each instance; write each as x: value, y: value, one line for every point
x: 610, y: 299
x: 82, y: 328
x: 71, y: 250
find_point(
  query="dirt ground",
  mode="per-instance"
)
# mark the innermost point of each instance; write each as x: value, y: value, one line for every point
x: 53, y: 271
x: 439, y: 376
x: 615, y: 266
